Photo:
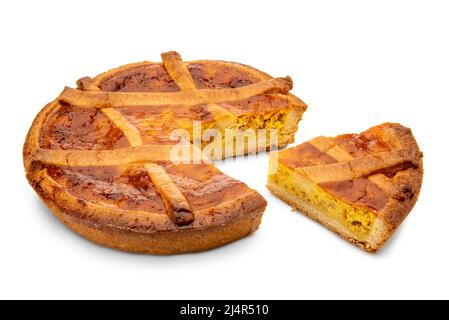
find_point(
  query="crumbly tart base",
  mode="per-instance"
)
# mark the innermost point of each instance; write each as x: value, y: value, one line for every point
x: 167, y: 242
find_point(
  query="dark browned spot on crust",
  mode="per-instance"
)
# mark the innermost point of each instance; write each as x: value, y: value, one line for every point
x: 404, y: 193
x: 71, y: 127
x: 390, y: 172
x: 304, y: 155
x: 359, y: 145
x: 127, y: 188
x: 206, y: 76
x: 182, y: 216
x: 147, y: 78
x: 359, y: 191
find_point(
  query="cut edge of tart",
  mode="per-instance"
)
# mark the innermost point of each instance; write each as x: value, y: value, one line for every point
x: 99, y: 155
x: 361, y: 186
x: 271, y: 106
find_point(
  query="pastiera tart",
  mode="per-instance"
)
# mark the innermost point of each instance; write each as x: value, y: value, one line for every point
x: 361, y: 186
x: 101, y: 155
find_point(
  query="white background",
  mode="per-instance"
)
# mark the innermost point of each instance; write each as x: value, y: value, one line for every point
x: 356, y: 63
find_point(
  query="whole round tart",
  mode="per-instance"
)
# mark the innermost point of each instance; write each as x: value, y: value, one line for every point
x: 101, y: 156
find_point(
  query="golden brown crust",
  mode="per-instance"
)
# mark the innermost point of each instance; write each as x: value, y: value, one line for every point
x: 97, y: 215
x: 103, y: 99
x: 198, y: 215
x: 166, y: 242
x: 255, y: 74
x: 380, y: 169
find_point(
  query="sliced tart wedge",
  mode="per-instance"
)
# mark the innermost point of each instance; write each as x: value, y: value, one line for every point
x: 361, y: 186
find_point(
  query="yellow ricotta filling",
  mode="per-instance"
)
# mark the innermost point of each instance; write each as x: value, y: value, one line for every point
x: 358, y: 220
x: 249, y: 126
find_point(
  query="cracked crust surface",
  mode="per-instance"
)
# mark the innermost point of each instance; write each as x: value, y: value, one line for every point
x: 103, y: 168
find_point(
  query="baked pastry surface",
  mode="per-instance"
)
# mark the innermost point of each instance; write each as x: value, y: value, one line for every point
x: 100, y: 155
x: 361, y: 186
